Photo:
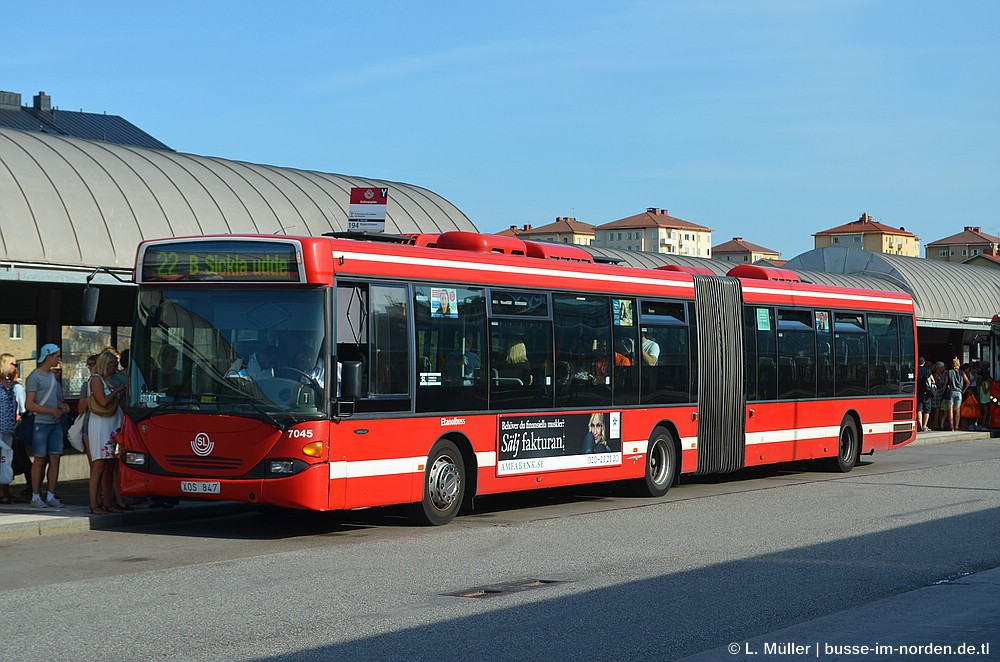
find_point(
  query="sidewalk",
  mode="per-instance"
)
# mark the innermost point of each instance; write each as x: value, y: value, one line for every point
x: 21, y: 520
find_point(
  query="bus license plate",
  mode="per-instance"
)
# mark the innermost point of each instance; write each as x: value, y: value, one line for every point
x: 200, y: 487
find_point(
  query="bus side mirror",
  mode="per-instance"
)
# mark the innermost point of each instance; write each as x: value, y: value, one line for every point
x: 350, y: 380
x: 90, y: 297
x: 348, y: 388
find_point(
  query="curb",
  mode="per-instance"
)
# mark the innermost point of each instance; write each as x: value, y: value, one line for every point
x: 942, y: 437
x: 26, y: 525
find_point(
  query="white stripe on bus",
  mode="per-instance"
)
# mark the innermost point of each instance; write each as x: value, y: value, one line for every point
x: 616, y: 278
x: 486, y: 459
x: 502, y: 268
x: 828, y: 295
x: 368, y: 468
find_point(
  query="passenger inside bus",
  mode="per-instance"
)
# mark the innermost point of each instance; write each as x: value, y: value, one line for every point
x: 621, y: 358
x: 650, y: 350
x: 463, y: 365
x: 514, y: 369
x: 166, y: 377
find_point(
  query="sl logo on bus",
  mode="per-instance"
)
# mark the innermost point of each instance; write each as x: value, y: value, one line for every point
x: 202, y: 445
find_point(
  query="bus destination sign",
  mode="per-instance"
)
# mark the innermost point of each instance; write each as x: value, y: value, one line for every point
x: 221, y: 260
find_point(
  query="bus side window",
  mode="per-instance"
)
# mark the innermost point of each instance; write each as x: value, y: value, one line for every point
x: 372, y: 327
x: 583, y: 344
x: 452, y: 361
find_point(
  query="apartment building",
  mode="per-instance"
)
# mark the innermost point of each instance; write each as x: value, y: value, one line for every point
x: 656, y: 231
x: 868, y: 234
x: 739, y: 251
x: 968, y: 243
x: 565, y: 230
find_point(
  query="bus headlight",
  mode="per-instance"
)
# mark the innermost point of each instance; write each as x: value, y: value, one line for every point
x: 135, y: 459
x: 281, y: 467
x: 285, y: 467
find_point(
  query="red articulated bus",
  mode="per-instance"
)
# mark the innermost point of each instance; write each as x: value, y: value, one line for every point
x: 327, y: 373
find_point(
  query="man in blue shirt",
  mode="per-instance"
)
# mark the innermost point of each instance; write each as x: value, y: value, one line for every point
x: 45, y: 399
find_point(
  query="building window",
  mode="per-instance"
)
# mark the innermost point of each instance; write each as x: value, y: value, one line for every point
x: 746, y: 258
x: 975, y: 251
x: 16, y: 331
x: 965, y: 251
x: 836, y: 240
x: 857, y: 240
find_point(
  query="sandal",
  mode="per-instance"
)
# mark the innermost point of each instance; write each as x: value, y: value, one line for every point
x: 6, y: 501
x: 125, y: 506
x: 99, y: 510
x: 112, y: 509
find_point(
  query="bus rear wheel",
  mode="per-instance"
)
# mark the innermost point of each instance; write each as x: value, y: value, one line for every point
x: 848, y: 447
x: 661, y: 464
x: 444, y: 485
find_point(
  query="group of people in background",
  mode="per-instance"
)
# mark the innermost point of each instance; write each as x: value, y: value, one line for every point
x: 34, y: 417
x: 955, y: 397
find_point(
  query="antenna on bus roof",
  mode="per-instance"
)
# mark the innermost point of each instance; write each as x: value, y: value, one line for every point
x: 283, y: 228
x: 602, y: 259
x: 371, y: 236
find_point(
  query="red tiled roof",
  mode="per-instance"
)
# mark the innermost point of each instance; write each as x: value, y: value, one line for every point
x: 561, y: 226
x: 738, y: 245
x: 866, y: 227
x: 991, y: 258
x: 653, y: 218
x: 969, y: 236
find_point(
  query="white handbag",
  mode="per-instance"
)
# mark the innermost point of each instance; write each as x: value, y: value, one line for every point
x: 75, y: 433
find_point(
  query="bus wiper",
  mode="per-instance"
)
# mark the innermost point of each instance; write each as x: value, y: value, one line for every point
x: 267, y: 415
x: 163, y: 408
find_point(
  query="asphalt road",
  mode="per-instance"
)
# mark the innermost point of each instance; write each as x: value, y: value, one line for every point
x: 568, y: 574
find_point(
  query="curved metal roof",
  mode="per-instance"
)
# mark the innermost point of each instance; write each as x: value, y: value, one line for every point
x: 650, y: 260
x: 846, y: 280
x: 941, y: 291
x: 66, y: 201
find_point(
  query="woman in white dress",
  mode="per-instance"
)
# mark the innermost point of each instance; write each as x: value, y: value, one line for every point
x: 102, y: 433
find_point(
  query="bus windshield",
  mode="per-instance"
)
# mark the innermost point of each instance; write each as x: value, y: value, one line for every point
x: 256, y: 351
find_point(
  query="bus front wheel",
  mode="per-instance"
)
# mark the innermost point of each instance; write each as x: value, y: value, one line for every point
x: 661, y: 464
x: 848, y: 447
x: 444, y: 484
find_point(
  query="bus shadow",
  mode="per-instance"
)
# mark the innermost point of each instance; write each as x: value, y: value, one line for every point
x: 270, y: 523
x: 684, y: 612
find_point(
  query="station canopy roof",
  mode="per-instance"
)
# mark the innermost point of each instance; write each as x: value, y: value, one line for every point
x: 69, y: 202
x: 944, y: 294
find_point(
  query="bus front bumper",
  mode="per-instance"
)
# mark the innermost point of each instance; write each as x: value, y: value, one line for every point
x: 309, y: 489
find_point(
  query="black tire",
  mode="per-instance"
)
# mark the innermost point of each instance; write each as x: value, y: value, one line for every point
x: 661, y: 464
x: 848, y: 447
x: 444, y: 485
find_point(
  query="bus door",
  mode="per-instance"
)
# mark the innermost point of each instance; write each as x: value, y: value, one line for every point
x: 721, y: 396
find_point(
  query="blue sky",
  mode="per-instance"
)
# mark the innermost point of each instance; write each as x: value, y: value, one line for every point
x: 768, y: 120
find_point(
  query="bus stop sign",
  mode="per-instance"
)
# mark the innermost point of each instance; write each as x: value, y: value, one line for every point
x: 367, y: 210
